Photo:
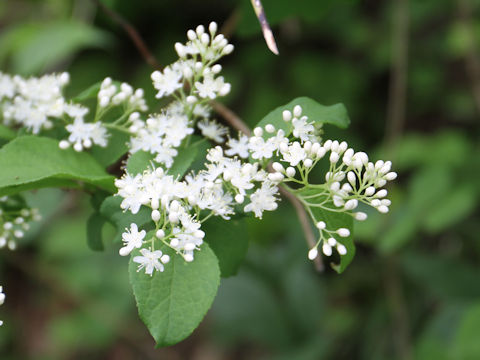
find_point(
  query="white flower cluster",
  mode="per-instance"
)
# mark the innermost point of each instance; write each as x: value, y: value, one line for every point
x: 161, y: 133
x: 32, y: 102
x: 14, y: 221
x: 111, y: 94
x: 179, y: 207
x: 196, y: 67
x: 2, y: 300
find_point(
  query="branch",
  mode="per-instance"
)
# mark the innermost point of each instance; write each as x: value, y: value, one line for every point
x: 132, y: 33
x: 230, y: 117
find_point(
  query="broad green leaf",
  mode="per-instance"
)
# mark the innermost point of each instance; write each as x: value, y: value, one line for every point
x: 456, y: 204
x: 320, y: 114
x: 32, y: 162
x: 112, y: 211
x: 229, y: 241
x: 466, y: 345
x: 94, y: 231
x: 38, y: 45
x: 173, y: 303
x: 6, y: 133
x: 89, y: 93
x: 138, y: 162
x: 334, y: 221
x: 117, y: 146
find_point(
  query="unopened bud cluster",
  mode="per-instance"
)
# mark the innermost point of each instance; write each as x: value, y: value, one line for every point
x: 15, y: 220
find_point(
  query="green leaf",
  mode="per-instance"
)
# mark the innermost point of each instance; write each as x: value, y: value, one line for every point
x: 334, y: 221
x: 94, y: 231
x: 466, y: 345
x: 6, y: 133
x: 229, y: 241
x: 173, y: 303
x: 112, y: 211
x: 32, y: 162
x: 89, y: 93
x: 35, y: 46
x: 138, y: 162
x: 116, y: 148
x: 320, y: 114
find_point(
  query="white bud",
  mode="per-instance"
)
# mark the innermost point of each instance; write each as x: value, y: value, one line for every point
x: 313, y: 253
x: 216, y: 68
x: 8, y: 226
x: 383, y: 209
x: 191, y: 99
x: 278, y: 167
x: 228, y: 49
x: 188, y: 257
x: 269, y: 128
x: 334, y: 157
x: 332, y: 242
x: 297, y: 111
x: 189, y: 246
x: 370, y: 191
x: 342, y: 250
x: 327, y: 249
x: 375, y: 203
x: 321, y: 152
x: 258, y: 131
x: 160, y: 234
x: 64, y: 144
x: 327, y: 145
x: 124, y: 251
x: 239, y: 198
x: 308, y: 163
x: 290, y: 171
x: 321, y: 225
x: 180, y: 49
x: 18, y: 234
x: 381, y: 193
x: 360, y: 216
x: 212, y: 27
x: 351, y: 204
x: 391, y: 176
x: 191, y: 35
x: 155, y: 215
x: 200, y: 30
x: 315, y: 148
x: 78, y: 147
x: 343, y: 232
x: 335, y: 146
x: 286, y: 115
x: 165, y: 259
x: 174, y: 242
x: 352, y: 178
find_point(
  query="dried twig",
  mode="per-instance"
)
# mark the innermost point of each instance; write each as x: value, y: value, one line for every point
x: 132, y: 33
x: 267, y: 31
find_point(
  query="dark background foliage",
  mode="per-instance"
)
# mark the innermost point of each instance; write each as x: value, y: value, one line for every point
x: 413, y: 288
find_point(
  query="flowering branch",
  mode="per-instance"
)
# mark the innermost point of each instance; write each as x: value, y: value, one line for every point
x: 230, y: 117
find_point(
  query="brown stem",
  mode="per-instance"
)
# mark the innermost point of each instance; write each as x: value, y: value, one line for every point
x: 230, y: 117
x: 472, y: 61
x: 132, y: 33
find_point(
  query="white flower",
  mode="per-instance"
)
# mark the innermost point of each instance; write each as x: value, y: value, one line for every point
x: 167, y: 82
x: 302, y: 129
x: 150, y: 261
x: 238, y: 147
x: 84, y: 135
x: 263, y: 199
x: 2, y: 300
x: 212, y: 130
x: 260, y: 148
x: 132, y: 239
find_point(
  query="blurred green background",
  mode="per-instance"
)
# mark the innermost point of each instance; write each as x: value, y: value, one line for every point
x: 413, y: 289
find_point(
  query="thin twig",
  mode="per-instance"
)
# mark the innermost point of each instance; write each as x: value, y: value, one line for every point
x: 230, y: 117
x: 266, y: 30
x: 472, y: 60
x: 132, y: 33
